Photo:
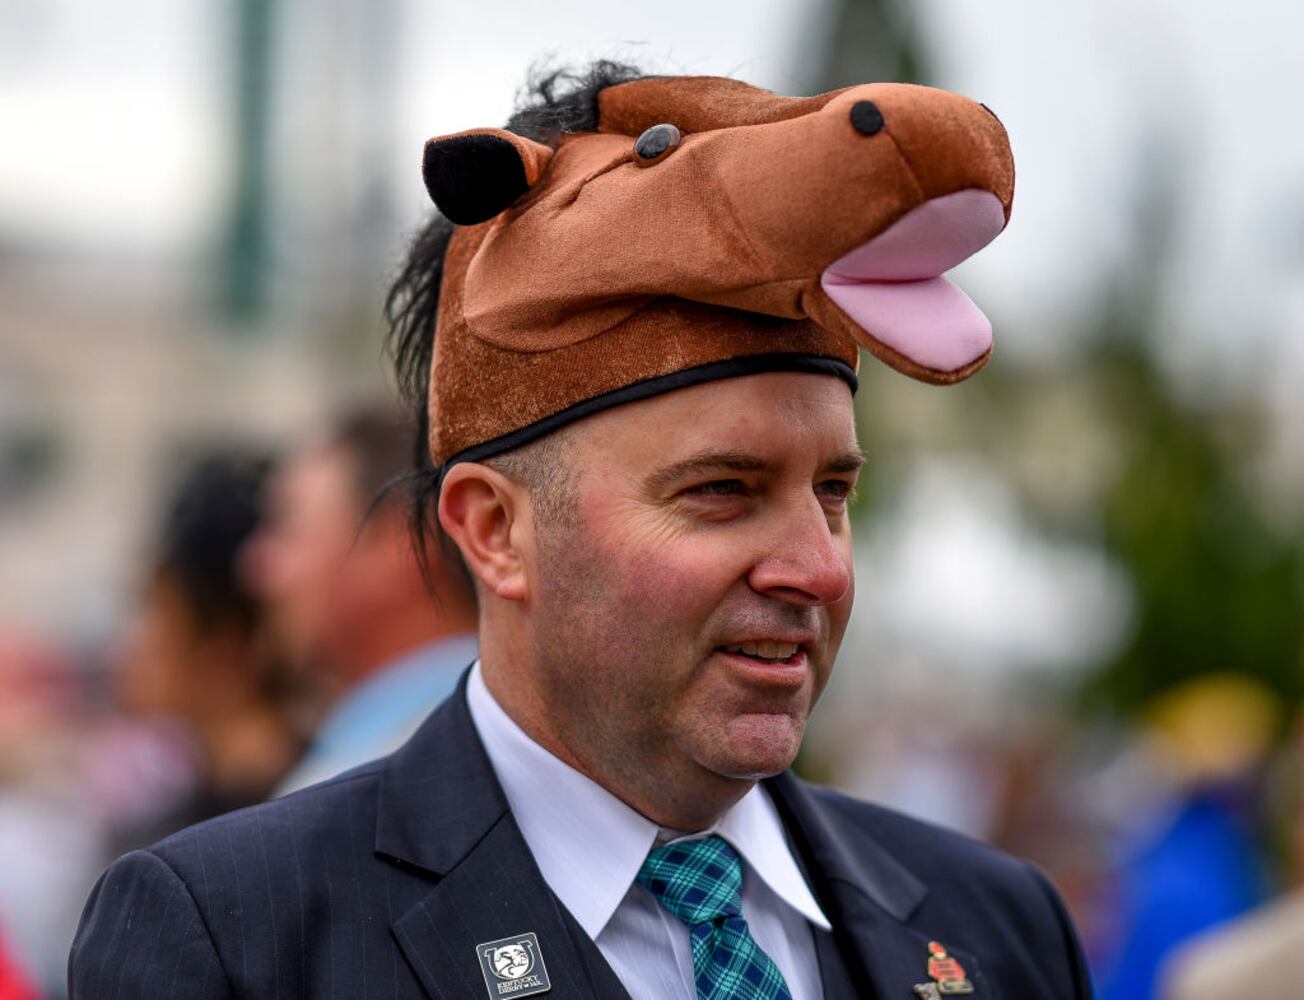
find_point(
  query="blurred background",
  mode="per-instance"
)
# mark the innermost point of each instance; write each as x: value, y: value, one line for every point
x: 1080, y: 623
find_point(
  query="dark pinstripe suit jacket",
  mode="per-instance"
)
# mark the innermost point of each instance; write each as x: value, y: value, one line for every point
x: 382, y: 882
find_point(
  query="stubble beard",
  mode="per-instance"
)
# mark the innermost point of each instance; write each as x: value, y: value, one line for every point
x: 613, y: 727
x: 668, y: 747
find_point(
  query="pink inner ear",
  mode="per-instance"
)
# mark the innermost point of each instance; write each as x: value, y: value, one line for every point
x: 892, y: 288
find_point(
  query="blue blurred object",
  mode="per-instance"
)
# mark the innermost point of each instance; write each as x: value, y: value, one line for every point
x: 379, y: 715
x: 1201, y: 868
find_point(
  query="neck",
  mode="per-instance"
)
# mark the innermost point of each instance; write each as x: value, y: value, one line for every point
x: 391, y: 636
x: 688, y: 807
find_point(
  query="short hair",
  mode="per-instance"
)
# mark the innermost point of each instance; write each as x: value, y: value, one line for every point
x: 379, y: 440
x: 554, y: 102
x: 213, y: 509
x: 546, y: 468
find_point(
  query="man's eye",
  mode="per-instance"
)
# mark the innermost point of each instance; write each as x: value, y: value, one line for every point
x: 719, y: 488
x: 837, y: 489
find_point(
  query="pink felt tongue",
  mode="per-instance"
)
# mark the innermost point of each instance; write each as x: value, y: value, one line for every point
x: 930, y: 321
x: 891, y: 287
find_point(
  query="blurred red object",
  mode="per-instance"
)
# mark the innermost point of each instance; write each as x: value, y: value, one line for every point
x: 13, y: 984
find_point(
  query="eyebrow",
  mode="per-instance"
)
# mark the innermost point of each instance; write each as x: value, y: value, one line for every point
x: 733, y: 461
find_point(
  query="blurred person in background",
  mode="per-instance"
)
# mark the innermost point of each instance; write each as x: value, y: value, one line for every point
x: 334, y: 561
x: 196, y: 650
x: 1265, y: 945
x: 1197, y: 858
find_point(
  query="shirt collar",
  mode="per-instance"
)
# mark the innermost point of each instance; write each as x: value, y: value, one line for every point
x: 590, y: 845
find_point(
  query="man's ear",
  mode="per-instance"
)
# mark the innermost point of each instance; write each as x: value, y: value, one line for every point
x: 479, y: 509
x: 474, y: 175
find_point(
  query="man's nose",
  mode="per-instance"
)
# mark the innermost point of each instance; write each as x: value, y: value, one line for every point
x: 803, y: 561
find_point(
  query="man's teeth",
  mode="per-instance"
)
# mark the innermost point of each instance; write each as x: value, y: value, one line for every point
x: 765, y: 649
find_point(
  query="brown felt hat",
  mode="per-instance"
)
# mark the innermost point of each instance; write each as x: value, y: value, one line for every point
x: 707, y: 229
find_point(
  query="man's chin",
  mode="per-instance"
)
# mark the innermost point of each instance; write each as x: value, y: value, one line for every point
x: 753, y: 746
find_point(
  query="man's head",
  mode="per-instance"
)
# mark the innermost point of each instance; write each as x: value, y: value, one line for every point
x: 340, y: 576
x: 635, y: 380
x: 196, y: 629
x: 664, y: 610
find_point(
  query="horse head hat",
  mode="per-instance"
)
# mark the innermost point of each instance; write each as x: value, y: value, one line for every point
x: 706, y: 229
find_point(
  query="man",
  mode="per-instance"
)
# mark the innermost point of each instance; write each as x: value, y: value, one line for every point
x: 645, y: 332
x: 347, y: 596
x: 195, y: 652
x: 1258, y: 952
x: 1192, y: 859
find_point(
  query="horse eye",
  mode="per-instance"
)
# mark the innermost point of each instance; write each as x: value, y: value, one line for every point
x: 656, y: 143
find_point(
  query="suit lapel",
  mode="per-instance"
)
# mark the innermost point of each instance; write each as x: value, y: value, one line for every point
x: 878, y: 947
x: 835, y: 976
x: 442, y: 812
x: 495, y: 893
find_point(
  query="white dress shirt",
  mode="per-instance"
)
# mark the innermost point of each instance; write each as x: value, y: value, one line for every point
x: 589, y: 846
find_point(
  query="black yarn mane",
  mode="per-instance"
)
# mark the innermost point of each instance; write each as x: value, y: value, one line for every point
x: 552, y: 103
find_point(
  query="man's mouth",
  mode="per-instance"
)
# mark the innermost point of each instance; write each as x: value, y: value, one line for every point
x: 769, y: 652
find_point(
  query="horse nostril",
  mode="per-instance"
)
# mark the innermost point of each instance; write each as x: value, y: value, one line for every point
x: 866, y: 118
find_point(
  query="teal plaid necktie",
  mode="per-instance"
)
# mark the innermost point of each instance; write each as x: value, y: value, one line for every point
x: 700, y: 882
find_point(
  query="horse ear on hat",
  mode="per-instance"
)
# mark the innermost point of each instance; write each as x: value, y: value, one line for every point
x: 474, y: 175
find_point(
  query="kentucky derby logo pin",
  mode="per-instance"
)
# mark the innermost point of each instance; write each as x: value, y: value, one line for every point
x: 947, y: 974
x: 513, y: 967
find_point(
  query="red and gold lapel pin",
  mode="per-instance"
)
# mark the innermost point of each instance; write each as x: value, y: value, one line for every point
x: 947, y: 974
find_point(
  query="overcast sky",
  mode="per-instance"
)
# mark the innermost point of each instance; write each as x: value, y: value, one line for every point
x: 114, y: 117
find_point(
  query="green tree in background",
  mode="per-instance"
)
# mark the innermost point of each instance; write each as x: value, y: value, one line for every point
x: 1216, y: 585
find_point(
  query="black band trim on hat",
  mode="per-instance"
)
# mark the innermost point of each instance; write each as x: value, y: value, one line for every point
x: 752, y: 364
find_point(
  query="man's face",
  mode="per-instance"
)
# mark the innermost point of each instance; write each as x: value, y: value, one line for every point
x: 688, y: 616
x: 295, y: 559
x: 156, y: 667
